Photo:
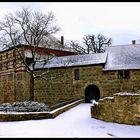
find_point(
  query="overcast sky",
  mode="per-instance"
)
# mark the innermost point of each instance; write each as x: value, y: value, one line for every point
x: 117, y: 20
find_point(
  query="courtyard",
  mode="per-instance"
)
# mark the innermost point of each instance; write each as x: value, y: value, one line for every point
x: 74, y: 123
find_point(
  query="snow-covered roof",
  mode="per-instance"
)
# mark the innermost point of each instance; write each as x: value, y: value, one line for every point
x: 55, y: 43
x: 123, y: 57
x: 49, y: 42
x: 74, y: 60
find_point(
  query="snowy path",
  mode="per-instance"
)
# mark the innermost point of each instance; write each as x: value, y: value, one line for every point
x: 74, y: 123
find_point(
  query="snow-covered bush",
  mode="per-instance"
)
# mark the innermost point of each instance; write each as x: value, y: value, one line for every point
x: 6, y: 107
x: 36, y: 107
x: 19, y: 107
x: 27, y: 106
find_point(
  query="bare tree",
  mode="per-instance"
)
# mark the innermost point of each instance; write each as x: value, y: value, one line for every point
x: 77, y: 47
x: 91, y: 44
x: 32, y: 29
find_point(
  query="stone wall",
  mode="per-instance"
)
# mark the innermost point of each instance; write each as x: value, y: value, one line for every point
x: 22, y: 88
x: 65, y: 87
x: 14, y: 87
x: 111, y: 84
x: 121, y: 108
x: 14, y: 80
x: 22, y: 116
x: 57, y: 90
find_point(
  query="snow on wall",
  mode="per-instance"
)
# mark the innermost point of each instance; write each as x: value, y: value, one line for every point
x: 126, y: 94
x: 110, y: 98
x: 123, y: 108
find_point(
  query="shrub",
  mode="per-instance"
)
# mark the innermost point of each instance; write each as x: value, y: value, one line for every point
x: 6, y: 107
x: 27, y: 106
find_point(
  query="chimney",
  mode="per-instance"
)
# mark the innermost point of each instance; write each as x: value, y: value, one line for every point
x: 133, y: 42
x: 62, y: 41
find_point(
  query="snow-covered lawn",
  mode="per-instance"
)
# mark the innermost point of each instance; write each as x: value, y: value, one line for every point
x: 74, y: 123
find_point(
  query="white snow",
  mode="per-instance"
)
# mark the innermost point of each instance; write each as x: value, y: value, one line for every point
x: 115, y: 58
x: 74, y: 60
x: 123, y: 57
x: 74, y: 123
x: 110, y: 98
x: 49, y: 41
x: 126, y: 94
x: 94, y: 102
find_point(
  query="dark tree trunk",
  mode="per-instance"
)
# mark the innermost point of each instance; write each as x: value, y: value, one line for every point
x: 31, y: 87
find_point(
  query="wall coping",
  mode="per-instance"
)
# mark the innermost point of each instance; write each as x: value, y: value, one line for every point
x: 21, y: 116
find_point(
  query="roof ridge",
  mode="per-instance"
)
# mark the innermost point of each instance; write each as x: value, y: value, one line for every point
x: 124, y: 45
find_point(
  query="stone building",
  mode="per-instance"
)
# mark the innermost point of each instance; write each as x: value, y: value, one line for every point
x: 72, y: 76
x: 90, y: 76
x: 14, y: 78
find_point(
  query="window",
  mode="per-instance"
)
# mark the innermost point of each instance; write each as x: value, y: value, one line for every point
x: 14, y: 53
x: 19, y: 76
x: 0, y: 57
x: 10, y: 77
x: 126, y: 74
x: 0, y: 66
x: 123, y: 74
x: 7, y: 55
x: 29, y: 60
x: 77, y: 74
x: 5, y: 65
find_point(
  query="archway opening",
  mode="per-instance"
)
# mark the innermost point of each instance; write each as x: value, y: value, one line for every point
x: 92, y: 92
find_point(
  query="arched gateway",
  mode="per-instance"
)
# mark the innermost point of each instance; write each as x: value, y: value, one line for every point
x: 92, y: 92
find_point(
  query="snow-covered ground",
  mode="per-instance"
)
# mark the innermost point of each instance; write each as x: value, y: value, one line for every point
x: 74, y: 123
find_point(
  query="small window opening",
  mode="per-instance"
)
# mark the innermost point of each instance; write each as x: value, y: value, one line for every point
x: 123, y: 74
x: 77, y: 74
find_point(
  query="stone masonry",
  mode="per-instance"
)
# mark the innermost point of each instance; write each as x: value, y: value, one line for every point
x: 15, y: 83
x: 120, y: 108
x: 65, y: 87
x: 14, y: 80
